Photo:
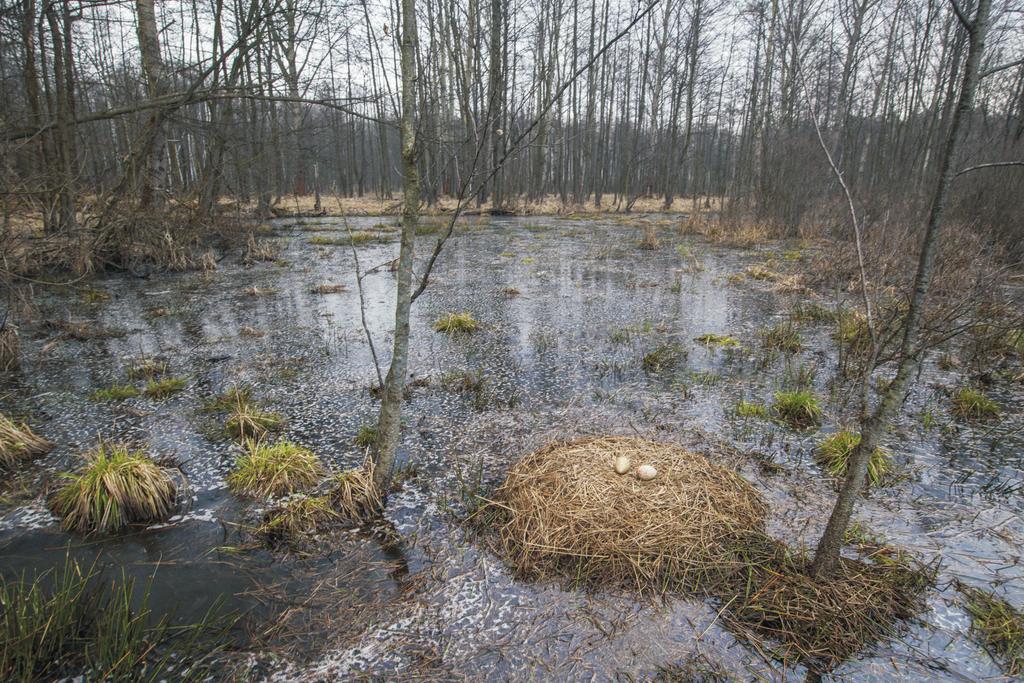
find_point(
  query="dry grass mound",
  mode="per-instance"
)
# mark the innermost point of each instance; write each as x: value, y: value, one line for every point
x: 563, y: 510
x: 823, y: 622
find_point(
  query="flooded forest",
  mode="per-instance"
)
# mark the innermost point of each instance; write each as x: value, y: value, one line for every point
x: 512, y: 340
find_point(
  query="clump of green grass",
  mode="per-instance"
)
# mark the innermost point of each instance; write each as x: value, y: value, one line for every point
x: 722, y: 340
x: 799, y: 409
x: 627, y: 333
x: 117, y: 392
x: 972, y: 404
x: 366, y: 436
x: 146, y: 367
x: 274, y: 469
x: 358, y: 238
x: 163, y: 388
x: 19, y: 443
x: 118, y: 486
x: 247, y: 421
x: 750, y: 409
x: 665, y: 357
x: 457, y: 323
x: 782, y: 337
x: 834, y: 455
x: 998, y: 626
x: 296, y: 517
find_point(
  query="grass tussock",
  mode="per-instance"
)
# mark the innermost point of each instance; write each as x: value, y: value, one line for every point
x: 366, y: 437
x: 296, y: 518
x: 667, y: 356
x: 649, y: 238
x: 257, y: 251
x: 782, y: 337
x: 117, y: 392
x: 457, y: 323
x: 997, y: 626
x: 247, y: 421
x: 972, y: 404
x: 798, y: 409
x: 117, y: 487
x: 353, y: 494
x: 564, y: 511
x: 164, y: 387
x: 19, y: 443
x: 76, y: 623
x: 276, y: 469
x: 812, y: 312
x: 834, y: 455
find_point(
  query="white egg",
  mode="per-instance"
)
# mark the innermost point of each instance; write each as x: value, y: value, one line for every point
x: 646, y: 472
x: 621, y: 464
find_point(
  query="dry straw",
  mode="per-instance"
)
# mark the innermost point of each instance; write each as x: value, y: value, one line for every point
x: 563, y: 510
x: 18, y: 443
x: 697, y: 527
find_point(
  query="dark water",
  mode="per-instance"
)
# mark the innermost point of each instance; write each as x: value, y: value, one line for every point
x: 560, y: 359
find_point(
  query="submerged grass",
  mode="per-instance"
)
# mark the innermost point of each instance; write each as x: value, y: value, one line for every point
x: 19, y: 443
x: 997, y: 626
x: 457, y: 323
x: 666, y: 356
x: 117, y: 487
x: 834, y: 455
x: 274, y: 469
x: 798, y: 409
x: 972, y: 404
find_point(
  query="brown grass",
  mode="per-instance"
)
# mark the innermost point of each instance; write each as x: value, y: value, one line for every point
x: 353, y: 494
x: 19, y: 443
x: 10, y: 348
x: 563, y: 510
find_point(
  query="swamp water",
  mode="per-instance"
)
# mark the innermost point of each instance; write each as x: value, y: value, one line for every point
x: 560, y: 356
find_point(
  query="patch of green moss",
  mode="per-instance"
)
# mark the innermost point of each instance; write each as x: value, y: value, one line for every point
x: 118, y: 392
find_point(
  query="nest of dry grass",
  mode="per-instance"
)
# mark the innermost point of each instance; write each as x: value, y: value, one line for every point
x: 563, y: 510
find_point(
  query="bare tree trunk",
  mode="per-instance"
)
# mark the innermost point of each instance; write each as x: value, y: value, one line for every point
x: 389, y: 423
x: 150, y: 176
x: 827, y: 554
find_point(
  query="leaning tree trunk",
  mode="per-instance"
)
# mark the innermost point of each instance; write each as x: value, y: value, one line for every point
x: 389, y: 423
x: 827, y: 554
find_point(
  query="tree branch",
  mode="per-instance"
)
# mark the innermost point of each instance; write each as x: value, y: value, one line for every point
x: 994, y: 164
